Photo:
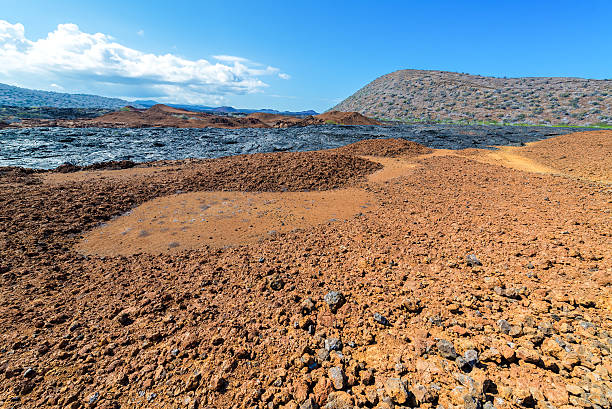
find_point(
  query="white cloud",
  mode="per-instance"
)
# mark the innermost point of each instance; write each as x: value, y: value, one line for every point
x: 140, y: 33
x: 284, y: 76
x: 71, y: 58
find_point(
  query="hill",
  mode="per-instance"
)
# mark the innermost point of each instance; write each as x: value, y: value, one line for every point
x: 441, y: 95
x: 24, y: 97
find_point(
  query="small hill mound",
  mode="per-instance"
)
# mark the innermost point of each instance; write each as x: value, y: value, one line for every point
x: 165, y: 116
x: 161, y: 108
x: 384, y: 147
x: 275, y: 120
x: 347, y: 118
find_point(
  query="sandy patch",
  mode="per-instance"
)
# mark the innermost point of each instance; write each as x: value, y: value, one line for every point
x: 219, y: 219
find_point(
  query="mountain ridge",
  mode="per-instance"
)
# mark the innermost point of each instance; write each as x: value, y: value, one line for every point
x: 13, y: 96
x: 450, y: 96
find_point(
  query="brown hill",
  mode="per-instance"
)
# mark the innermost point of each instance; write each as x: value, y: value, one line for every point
x: 332, y: 117
x: 346, y: 118
x: 165, y: 116
x: 276, y: 120
x: 441, y: 95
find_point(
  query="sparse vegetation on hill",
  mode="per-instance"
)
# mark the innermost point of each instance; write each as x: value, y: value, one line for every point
x: 448, y: 96
x: 23, y: 97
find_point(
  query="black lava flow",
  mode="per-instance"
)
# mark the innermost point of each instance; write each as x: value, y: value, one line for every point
x: 47, y: 148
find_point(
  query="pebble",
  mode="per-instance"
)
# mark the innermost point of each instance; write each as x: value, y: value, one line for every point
x: 504, y: 326
x: 93, y: 398
x: 307, y: 306
x: 381, y: 319
x: 334, y: 300
x: 29, y: 373
x: 336, y: 374
x: 309, y: 403
x: 471, y: 402
x: 472, y: 260
x: 396, y: 390
x: 446, y: 349
x: 333, y: 344
x: 471, y: 357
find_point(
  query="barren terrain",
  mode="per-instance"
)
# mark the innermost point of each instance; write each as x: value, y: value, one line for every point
x: 400, y: 277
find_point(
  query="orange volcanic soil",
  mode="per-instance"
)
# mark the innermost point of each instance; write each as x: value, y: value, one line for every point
x: 382, y: 274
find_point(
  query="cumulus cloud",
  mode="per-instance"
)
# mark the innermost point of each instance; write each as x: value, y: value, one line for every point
x: 69, y: 56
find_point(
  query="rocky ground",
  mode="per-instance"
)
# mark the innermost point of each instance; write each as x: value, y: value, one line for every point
x: 468, y: 284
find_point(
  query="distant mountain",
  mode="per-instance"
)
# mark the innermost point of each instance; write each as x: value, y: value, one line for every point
x: 23, y: 97
x: 12, y: 96
x: 224, y: 109
x: 441, y: 95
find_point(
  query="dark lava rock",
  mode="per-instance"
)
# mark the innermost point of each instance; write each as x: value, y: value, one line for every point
x: 124, y: 319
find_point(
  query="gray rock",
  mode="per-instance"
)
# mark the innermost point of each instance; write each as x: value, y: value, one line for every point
x: 463, y: 364
x: 308, y: 306
x: 309, y: 403
x: 334, y: 300
x: 472, y: 260
x: 322, y: 355
x: 446, y: 349
x: 336, y: 374
x: 93, y: 398
x: 395, y: 388
x: 333, y: 344
x: 504, y: 326
x: 471, y: 357
x: 471, y: 402
x: 381, y: 319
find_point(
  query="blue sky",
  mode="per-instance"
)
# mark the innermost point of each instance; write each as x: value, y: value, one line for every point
x: 290, y: 55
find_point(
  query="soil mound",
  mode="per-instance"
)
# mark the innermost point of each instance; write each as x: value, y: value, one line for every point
x: 391, y: 147
x: 568, y: 152
x: 165, y: 116
x: 276, y: 120
x: 291, y: 171
x: 347, y: 118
